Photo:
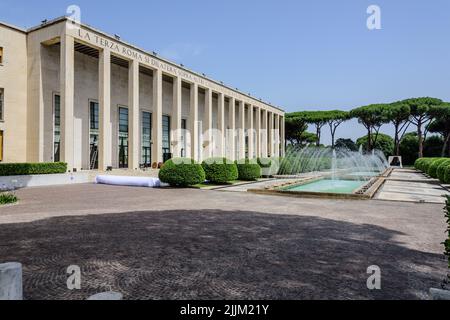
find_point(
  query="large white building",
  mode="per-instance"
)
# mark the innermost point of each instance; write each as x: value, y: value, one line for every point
x: 74, y: 94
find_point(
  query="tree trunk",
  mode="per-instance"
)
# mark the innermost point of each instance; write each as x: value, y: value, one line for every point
x: 397, y: 141
x: 369, y: 140
x: 444, y: 148
x: 318, y: 132
x: 420, y: 136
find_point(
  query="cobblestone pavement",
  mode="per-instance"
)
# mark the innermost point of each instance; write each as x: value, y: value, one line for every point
x: 192, y: 244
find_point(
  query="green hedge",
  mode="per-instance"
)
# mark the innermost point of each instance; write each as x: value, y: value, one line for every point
x: 265, y: 162
x: 249, y: 170
x: 182, y: 172
x: 446, y: 179
x: 440, y: 172
x: 21, y: 169
x: 432, y: 169
x: 220, y: 170
x: 447, y: 242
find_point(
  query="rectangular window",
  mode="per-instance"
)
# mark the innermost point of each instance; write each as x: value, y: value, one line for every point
x: 2, y: 103
x: 123, y: 137
x: 183, y: 137
x: 166, y: 137
x: 93, y: 134
x: 1, y: 55
x: 56, y: 127
x: 146, y: 156
x: 1, y: 146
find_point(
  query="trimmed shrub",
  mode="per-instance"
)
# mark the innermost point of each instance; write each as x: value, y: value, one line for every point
x: 447, y: 242
x: 432, y: 169
x: 446, y: 179
x: 220, y: 170
x: 249, y: 170
x: 182, y: 172
x: 22, y: 169
x: 7, y: 198
x: 265, y: 162
x: 441, y: 170
x: 426, y: 164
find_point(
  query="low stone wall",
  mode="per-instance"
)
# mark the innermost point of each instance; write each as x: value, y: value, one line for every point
x: 17, y: 182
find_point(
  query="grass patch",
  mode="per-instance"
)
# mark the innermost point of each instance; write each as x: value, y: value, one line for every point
x: 7, y: 198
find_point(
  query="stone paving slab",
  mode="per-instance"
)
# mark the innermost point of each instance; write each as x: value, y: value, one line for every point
x: 411, y: 191
x: 195, y: 244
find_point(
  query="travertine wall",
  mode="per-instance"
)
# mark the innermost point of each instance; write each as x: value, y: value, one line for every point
x: 13, y: 79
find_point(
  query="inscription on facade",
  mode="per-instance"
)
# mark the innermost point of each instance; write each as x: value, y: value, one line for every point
x: 151, y: 61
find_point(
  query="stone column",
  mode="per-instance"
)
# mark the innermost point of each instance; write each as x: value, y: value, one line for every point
x: 264, y: 136
x: 241, y: 131
x: 157, y: 114
x: 221, y: 126
x: 258, y: 132
x: 277, y: 135
x: 232, y: 130
x: 207, y: 125
x: 193, y: 122
x: 176, y: 117
x: 67, y: 73
x: 271, y: 136
x: 104, y: 94
x: 251, y: 140
x: 133, y: 115
x: 283, y: 136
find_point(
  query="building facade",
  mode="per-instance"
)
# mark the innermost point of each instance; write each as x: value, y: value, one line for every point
x: 74, y: 94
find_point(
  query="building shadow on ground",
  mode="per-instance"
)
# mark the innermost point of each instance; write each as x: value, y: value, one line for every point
x: 212, y: 254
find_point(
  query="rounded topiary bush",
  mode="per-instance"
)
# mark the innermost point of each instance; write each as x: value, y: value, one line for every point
x: 426, y: 164
x: 249, y: 170
x: 182, y: 172
x: 432, y: 169
x: 441, y: 170
x: 446, y: 179
x: 220, y: 170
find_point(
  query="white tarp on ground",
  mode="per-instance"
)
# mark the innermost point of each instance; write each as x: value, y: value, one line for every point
x: 129, y: 181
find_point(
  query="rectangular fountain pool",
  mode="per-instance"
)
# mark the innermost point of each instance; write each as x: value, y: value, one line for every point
x: 329, y: 186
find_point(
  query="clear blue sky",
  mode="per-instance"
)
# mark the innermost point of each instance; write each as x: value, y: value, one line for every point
x: 301, y: 55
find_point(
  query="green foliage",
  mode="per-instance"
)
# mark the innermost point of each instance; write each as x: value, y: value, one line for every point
x: 182, y: 172
x: 294, y: 128
x: 432, y: 169
x: 347, y: 144
x: 7, y: 198
x: 21, y: 169
x: 423, y: 164
x: 409, y: 147
x: 423, y: 107
x: 447, y: 242
x: 446, y: 179
x: 249, y: 170
x: 440, y: 172
x: 265, y: 162
x: 384, y: 143
x: 220, y: 170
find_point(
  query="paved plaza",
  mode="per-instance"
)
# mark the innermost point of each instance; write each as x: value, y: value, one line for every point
x: 197, y: 244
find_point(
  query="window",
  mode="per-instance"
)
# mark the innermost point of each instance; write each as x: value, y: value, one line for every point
x: 146, y: 156
x: 2, y: 98
x: 123, y: 137
x: 94, y: 134
x: 56, y: 127
x: 1, y: 146
x: 166, y: 137
x: 1, y: 55
x: 183, y: 137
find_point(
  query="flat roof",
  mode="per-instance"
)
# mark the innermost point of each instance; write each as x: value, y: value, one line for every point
x: 63, y: 18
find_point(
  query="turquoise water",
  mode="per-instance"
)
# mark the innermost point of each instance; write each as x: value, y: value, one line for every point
x: 329, y: 186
